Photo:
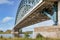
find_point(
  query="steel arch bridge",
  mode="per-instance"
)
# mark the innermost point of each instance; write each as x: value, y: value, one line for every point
x: 29, y: 14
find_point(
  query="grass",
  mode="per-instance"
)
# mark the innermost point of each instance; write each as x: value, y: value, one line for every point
x: 27, y: 39
x: 5, y: 33
x: 16, y: 39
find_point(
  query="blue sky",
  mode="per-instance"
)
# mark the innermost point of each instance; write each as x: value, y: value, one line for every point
x: 8, y: 9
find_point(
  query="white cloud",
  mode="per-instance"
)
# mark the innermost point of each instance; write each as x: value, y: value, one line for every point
x: 6, y: 19
x: 6, y: 1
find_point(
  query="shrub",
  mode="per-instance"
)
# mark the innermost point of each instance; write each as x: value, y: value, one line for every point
x: 1, y: 36
x: 27, y: 35
x: 39, y: 36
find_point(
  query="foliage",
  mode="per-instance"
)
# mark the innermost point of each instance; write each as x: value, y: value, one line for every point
x: 27, y: 35
x: 28, y: 32
x: 1, y: 36
x: 1, y: 31
x: 38, y: 36
x: 26, y: 39
x: 7, y: 32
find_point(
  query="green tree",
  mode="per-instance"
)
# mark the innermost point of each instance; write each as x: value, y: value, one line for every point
x: 8, y: 31
x: 27, y: 35
x: 1, y: 31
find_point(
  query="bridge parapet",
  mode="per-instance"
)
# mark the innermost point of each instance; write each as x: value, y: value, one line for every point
x: 51, y: 0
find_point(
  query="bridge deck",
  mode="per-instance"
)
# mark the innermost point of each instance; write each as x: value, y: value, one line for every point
x: 34, y: 17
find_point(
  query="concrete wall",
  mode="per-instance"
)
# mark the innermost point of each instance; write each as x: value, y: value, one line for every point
x: 47, y: 34
x: 59, y: 12
x: 47, y: 31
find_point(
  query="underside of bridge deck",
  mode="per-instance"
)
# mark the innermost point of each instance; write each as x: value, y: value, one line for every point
x: 35, y: 17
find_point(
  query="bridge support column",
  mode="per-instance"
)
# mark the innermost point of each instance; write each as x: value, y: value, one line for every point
x: 59, y: 12
x: 15, y: 33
